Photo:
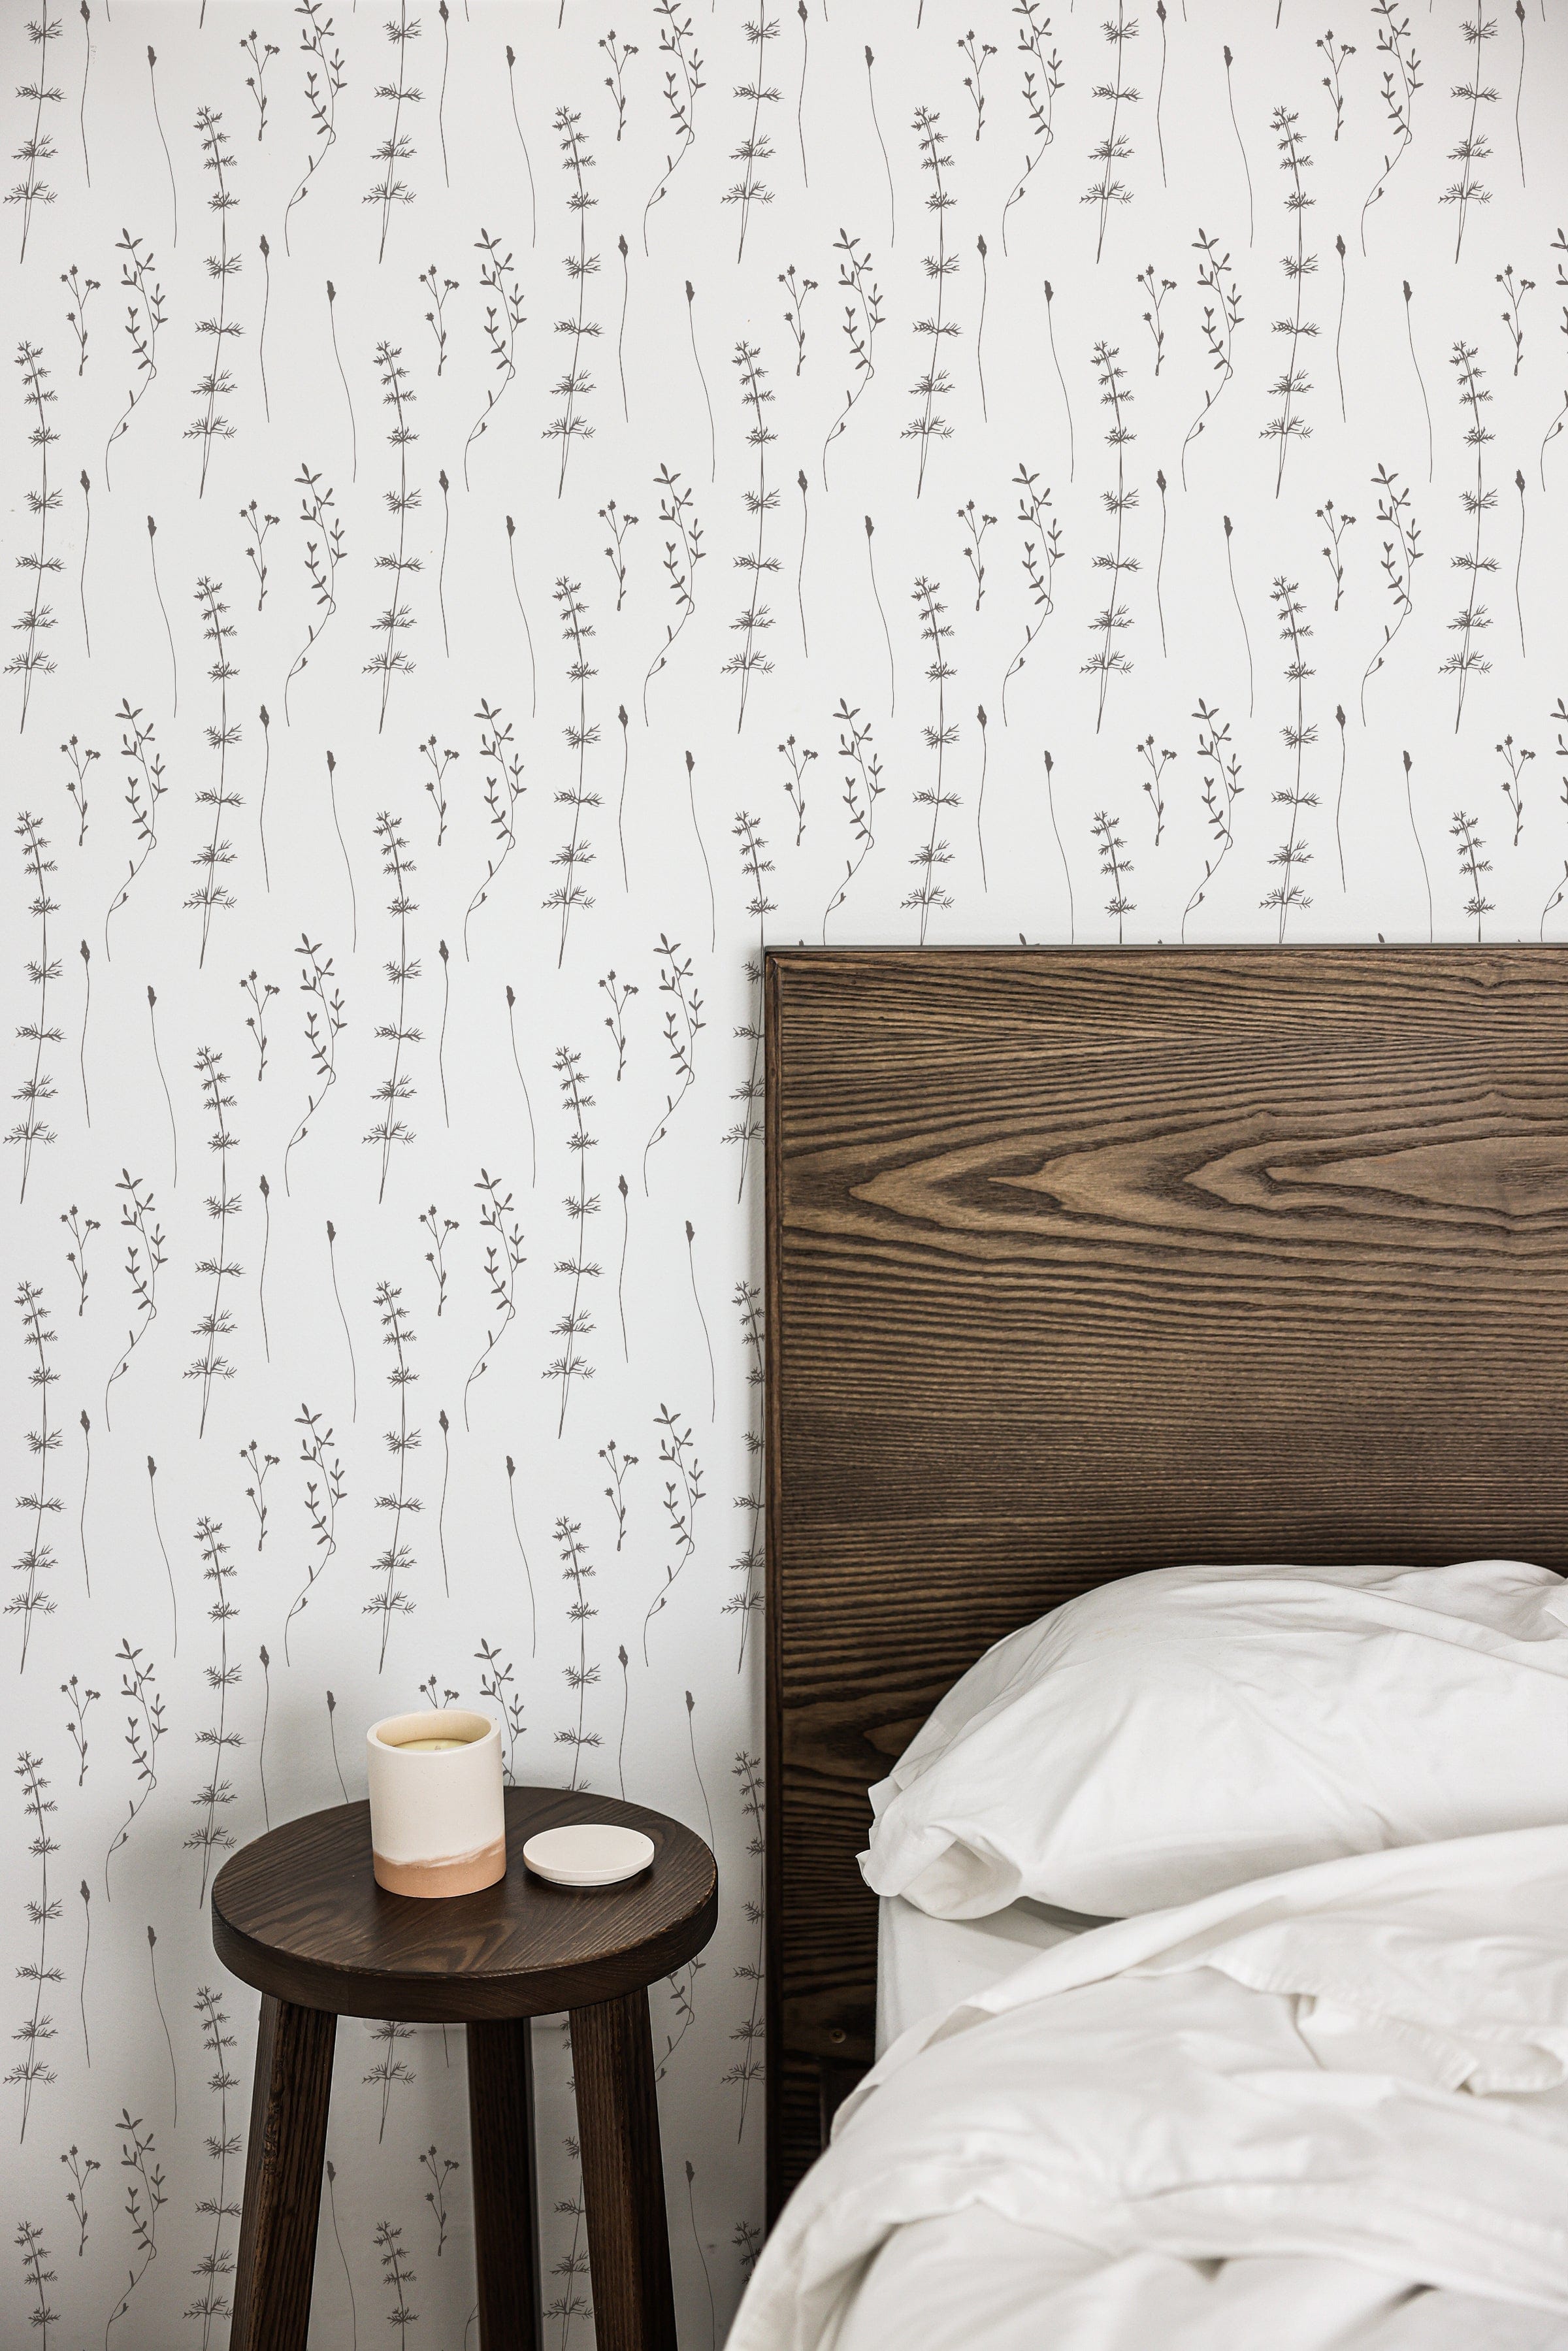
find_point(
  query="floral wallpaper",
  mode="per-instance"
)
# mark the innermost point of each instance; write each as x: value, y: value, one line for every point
x: 510, y: 505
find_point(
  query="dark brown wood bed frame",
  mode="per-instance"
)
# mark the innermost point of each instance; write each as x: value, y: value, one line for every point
x: 1080, y: 1262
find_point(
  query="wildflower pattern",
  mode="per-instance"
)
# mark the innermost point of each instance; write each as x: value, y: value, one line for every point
x: 513, y: 511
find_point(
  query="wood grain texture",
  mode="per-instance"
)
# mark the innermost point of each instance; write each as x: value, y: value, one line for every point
x: 283, y: 2155
x: 506, y: 2193
x: 1085, y: 1262
x: 298, y: 1914
x: 622, y: 2176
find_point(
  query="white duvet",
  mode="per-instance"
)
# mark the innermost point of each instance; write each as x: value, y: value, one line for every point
x: 1326, y: 2110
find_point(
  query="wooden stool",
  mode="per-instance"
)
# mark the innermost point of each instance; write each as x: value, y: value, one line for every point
x: 299, y: 1915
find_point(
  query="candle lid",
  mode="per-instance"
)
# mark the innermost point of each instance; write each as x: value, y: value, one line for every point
x: 593, y: 1853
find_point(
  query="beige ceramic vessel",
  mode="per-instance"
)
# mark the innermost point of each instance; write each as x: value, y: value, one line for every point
x: 438, y: 1822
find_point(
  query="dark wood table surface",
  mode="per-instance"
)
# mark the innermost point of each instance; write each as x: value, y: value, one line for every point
x: 298, y: 1914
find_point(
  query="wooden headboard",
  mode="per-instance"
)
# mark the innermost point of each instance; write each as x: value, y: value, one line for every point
x: 1083, y: 1262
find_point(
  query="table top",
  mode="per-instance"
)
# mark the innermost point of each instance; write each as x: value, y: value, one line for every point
x: 299, y: 1915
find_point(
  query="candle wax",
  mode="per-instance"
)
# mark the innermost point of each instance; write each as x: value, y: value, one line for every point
x: 430, y: 1746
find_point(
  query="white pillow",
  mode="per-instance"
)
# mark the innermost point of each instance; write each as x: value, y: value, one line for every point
x: 1173, y: 1733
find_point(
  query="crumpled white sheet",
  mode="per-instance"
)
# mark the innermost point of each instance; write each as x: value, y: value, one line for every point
x: 924, y: 1965
x: 974, y: 2282
x: 1282, y: 2113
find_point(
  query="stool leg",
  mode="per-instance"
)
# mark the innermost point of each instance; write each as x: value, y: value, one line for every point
x: 622, y: 2176
x: 283, y: 2177
x: 505, y: 2199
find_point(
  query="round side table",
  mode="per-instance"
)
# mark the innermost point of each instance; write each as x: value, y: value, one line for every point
x: 299, y: 1915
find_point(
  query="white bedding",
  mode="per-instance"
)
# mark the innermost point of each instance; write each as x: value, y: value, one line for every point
x: 1328, y: 2111
x: 976, y: 2282
x: 925, y: 1966
x: 1169, y: 1734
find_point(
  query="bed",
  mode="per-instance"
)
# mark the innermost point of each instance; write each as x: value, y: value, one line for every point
x: 925, y: 1966
x: 1083, y: 1263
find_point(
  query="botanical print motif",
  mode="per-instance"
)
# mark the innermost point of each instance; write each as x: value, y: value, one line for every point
x: 511, y: 513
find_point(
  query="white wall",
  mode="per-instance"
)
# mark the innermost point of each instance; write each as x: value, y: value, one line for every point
x: 679, y: 871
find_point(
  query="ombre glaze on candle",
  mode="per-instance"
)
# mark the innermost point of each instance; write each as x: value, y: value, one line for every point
x: 438, y: 1823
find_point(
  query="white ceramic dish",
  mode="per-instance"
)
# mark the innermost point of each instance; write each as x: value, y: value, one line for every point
x: 591, y: 1854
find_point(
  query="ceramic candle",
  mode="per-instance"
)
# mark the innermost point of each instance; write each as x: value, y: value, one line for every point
x: 438, y: 1823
